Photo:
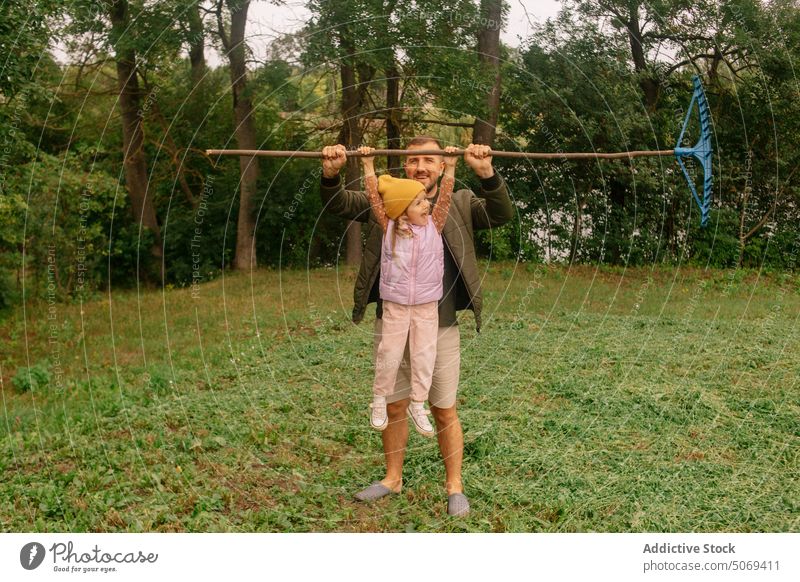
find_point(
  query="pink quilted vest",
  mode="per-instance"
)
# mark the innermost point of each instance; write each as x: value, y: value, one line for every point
x: 413, y: 273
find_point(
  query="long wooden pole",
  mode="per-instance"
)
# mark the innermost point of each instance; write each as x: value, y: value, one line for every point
x: 523, y: 155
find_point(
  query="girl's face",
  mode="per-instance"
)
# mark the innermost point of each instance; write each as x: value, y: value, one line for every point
x: 419, y: 210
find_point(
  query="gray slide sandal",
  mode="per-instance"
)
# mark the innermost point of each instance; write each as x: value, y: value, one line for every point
x: 373, y: 492
x: 457, y: 505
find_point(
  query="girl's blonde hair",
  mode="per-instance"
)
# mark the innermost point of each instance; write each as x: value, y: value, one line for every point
x: 405, y: 233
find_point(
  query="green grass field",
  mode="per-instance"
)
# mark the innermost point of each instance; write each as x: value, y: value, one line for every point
x: 593, y: 400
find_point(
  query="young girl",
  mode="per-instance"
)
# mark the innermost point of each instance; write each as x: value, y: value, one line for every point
x: 412, y: 269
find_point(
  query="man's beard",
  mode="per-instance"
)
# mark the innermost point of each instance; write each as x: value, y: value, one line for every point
x: 431, y: 188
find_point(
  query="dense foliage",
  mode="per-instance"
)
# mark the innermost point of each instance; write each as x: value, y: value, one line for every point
x: 611, y: 75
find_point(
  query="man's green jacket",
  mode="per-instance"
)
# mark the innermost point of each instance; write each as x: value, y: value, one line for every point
x: 467, y: 214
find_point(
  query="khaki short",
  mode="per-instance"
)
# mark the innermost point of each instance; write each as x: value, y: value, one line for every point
x: 444, y: 386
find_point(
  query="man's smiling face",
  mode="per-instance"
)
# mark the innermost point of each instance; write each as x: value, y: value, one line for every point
x: 425, y: 169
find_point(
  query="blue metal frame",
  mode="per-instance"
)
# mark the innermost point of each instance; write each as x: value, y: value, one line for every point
x: 701, y: 151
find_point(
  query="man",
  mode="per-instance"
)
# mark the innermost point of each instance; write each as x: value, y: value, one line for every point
x: 461, y: 291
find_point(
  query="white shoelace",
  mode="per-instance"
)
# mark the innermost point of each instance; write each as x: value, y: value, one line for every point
x: 420, y: 417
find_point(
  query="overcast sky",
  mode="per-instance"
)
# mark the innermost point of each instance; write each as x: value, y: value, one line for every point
x: 266, y: 21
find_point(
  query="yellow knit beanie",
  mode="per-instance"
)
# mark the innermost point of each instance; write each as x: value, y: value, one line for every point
x: 397, y: 194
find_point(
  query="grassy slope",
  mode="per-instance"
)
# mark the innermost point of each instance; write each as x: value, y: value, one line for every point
x: 592, y: 401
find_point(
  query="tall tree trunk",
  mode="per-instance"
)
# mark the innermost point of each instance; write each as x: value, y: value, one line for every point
x: 393, y: 111
x: 134, y: 162
x: 196, y: 106
x: 393, y: 117
x: 648, y: 85
x: 355, y: 77
x: 245, y: 257
x: 197, y: 56
x: 484, y: 130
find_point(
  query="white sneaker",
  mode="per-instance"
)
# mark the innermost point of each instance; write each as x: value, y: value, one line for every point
x: 419, y: 414
x: 378, y: 419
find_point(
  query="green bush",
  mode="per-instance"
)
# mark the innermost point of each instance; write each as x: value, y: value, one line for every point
x: 33, y: 378
x: 715, y: 245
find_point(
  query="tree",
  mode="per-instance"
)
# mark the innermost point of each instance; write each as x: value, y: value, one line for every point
x: 337, y: 32
x: 393, y: 111
x: 489, y: 58
x: 355, y: 77
x: 135, y: 164
x: 233, y: 42
x: 196, y: 40
x: 138, y: 35
x: 23, y: 39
